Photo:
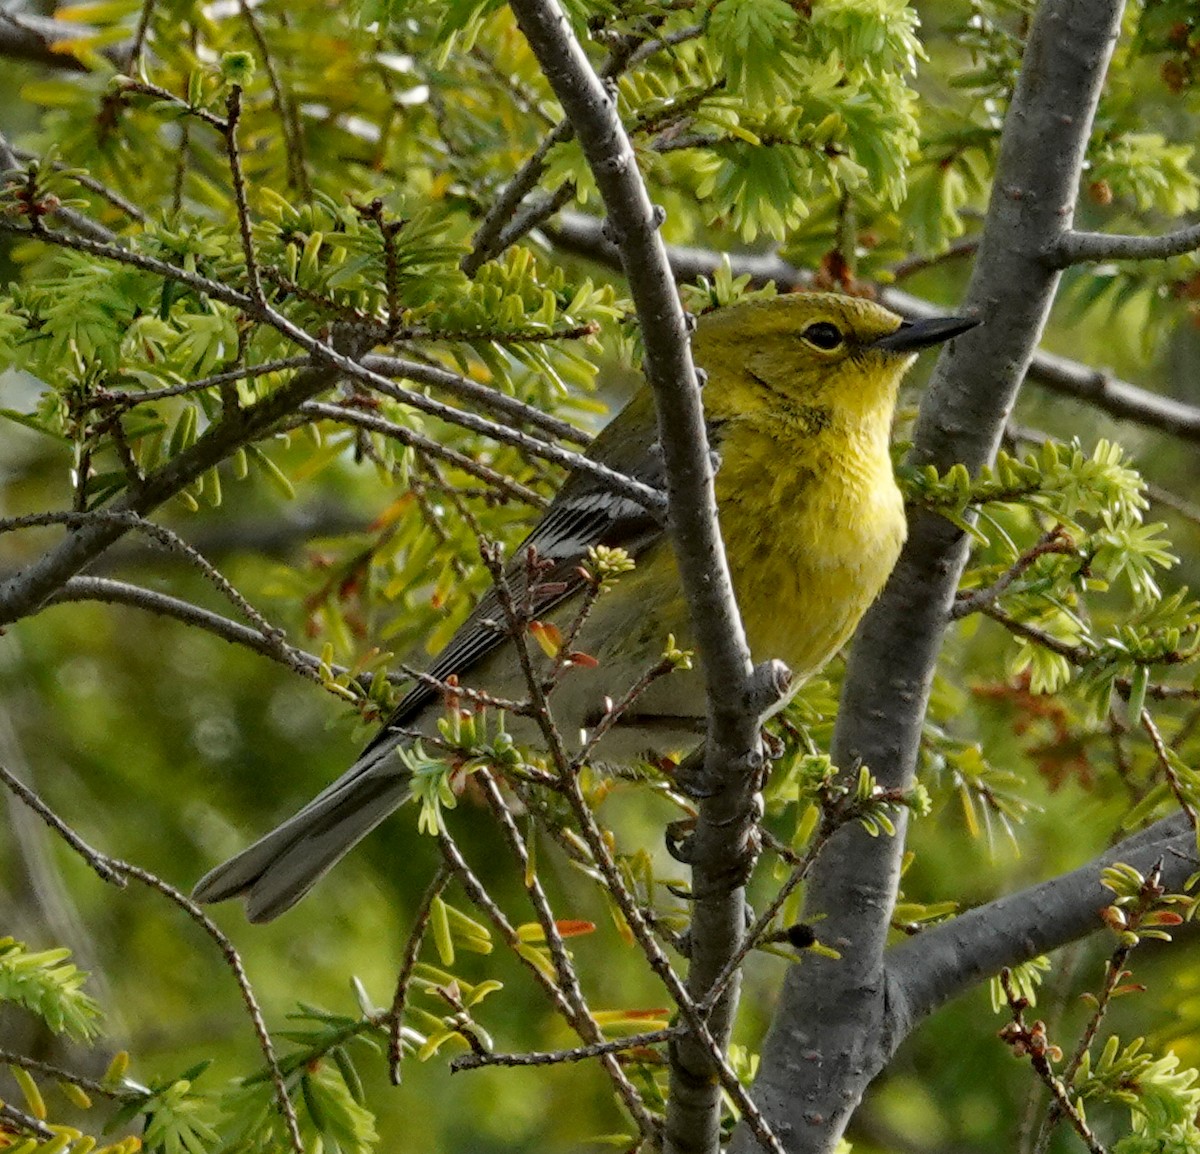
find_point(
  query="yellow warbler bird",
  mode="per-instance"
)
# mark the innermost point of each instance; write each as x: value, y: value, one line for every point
x: 799, y: 403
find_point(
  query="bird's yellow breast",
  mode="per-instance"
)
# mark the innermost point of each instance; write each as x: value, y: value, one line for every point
x: 812, y: 532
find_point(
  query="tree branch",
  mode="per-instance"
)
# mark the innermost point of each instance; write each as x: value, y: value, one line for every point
x: 557, y: 1057
x: 12, y: 171
x: 503, y: 485
x: 24, y: 591
x: 113, y: 592
x: 1083, y: 247
x: 939, y: 963
x: 488, y: 241
x: 566, y: 976
x: 735, y: 700
x: 509, y: 218
x: 20, y: 1122
x: 118, y: 872
x: 1116, y: 397
x: 489, y: 398
x: 85, y: 180
x: 582, y: 234
x: 853, y: 884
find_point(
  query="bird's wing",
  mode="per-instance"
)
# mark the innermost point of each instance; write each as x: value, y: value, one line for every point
x: 583, y: 515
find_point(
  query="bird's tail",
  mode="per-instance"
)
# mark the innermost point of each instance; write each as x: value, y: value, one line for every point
x: 279, y: 869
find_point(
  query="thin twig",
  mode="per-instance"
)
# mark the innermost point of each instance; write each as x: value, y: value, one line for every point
x: 564, y: 968
x: 163, y: 536
x: 460, y: 386
x: 91, y: 1085
x: 626, y: 486
x: 233, y: 109
x: 85, y: 180
x: 505, y: 223
x: 408, y: 962
x: 478, y: 894
x: 503, y: 484
x: 611, y: 716
x: 23, y: 1121
x: 143, y: 88
x: 757, y: 932
x: 203, y: 285
x: 535, y: 213
x: 476, y: 696
x: 1081, y: 655
x: 1056, y: 540
x: 912, y: 265
x: 486, y: 243
x: 1169, y: 772
x: 649, y: 48
x: 107, y: 590
x: 117, y: 872
x: 575, y: 1054
x: 1075, y: 654
x: 127, y: 399
x: 139, y: 36
x: 1113, y: 974
x: 422, y: 487
x: 292, y: 134
x: 1031, y: 1041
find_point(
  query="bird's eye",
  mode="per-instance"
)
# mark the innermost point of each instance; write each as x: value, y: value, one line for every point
x: 823, y: 335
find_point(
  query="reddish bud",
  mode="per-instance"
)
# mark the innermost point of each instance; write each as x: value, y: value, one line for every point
x: 574, y: 927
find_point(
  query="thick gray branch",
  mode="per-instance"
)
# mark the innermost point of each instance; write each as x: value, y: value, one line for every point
x: 733, y: 742
x: 947, y: 960
x: 668, y: 363
x: 1080, y: 247
x: 580, y: 233
x: 963, y: 413
x: 584, y: 234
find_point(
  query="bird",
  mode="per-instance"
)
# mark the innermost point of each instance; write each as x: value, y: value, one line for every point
x: 799, y: 402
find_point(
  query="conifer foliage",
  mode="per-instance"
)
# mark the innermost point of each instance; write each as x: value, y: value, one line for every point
x: 308, y: 310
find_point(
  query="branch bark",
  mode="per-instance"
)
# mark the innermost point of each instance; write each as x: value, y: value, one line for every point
x: 580, y: 233
x: 936, y: 965
x: 123, y: 593
x: 1082, y: 247
x: 832, y: 1030
x: 735, y: 696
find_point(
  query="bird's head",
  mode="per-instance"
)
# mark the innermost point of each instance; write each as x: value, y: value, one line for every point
x: 801, y: 354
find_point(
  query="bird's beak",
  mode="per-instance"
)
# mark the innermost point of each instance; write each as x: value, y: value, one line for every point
x: 914, y: 335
